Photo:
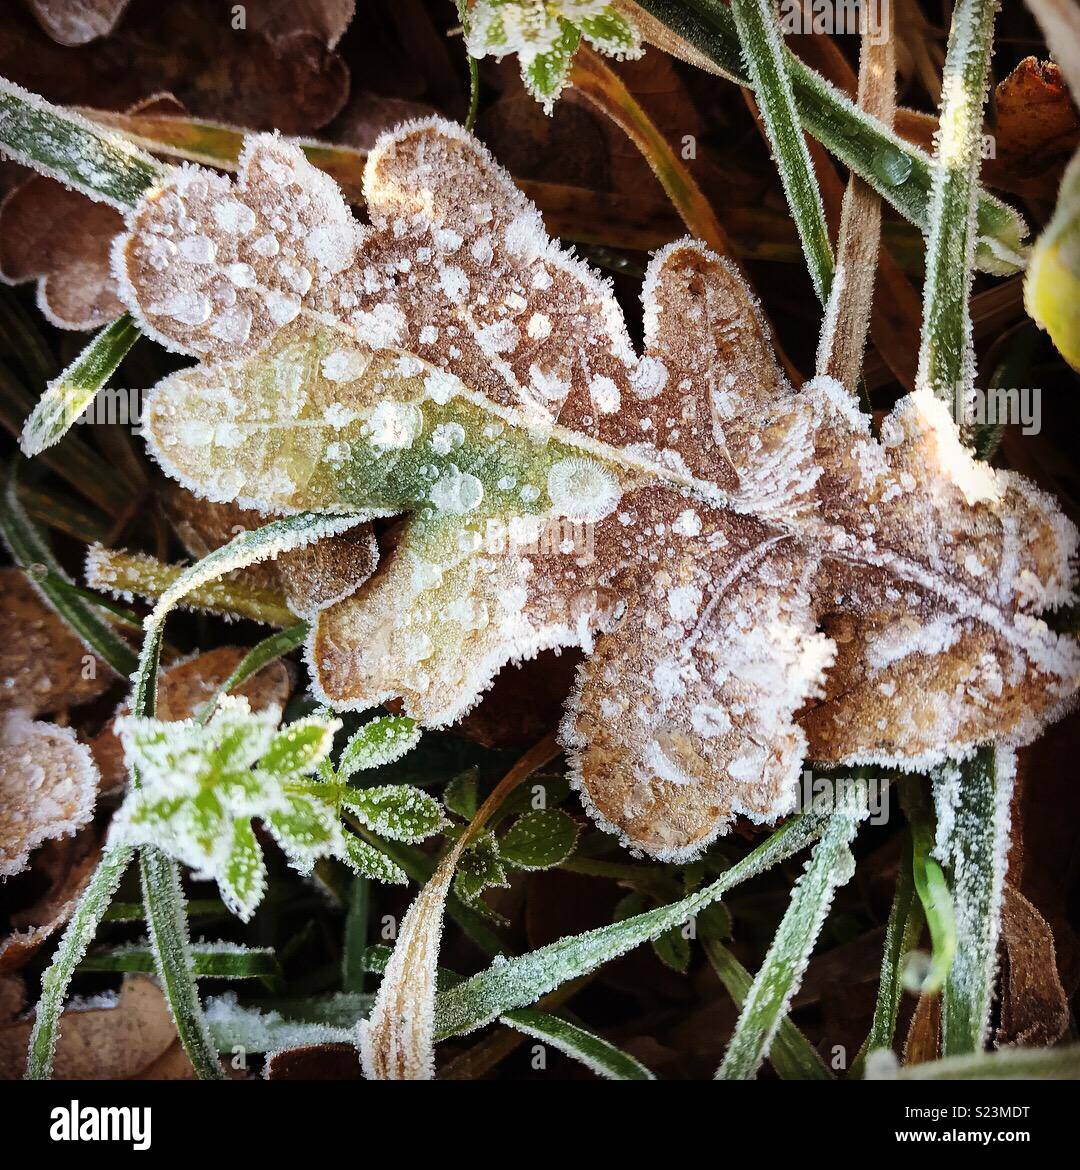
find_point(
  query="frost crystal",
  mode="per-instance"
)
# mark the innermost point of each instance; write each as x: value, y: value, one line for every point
x: 756, y: 577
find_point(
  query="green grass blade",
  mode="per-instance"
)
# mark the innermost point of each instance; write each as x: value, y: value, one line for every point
x: 591, y: 1050
x: 208, y: 960
x: 65, y: 146
x: 67, y: 396
x: 901, y: 937
x: 29, y: 549
x: 521, y: 981
x: 792, y: 1056
x: 946, y: 358
x: 930, y: 884
x: 769, y: 997
x: 898, y: 171
x: 166, y: 921
x: 76, y: 938
x: 1007, y: 1064
x: 270, y: 649
x: 763, y: 51
x: 973, y: 832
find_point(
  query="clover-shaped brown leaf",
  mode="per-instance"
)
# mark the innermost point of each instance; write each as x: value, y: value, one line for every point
x: 755, y: 577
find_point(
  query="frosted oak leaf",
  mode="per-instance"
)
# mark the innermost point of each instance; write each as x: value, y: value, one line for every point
x: 756, y: 578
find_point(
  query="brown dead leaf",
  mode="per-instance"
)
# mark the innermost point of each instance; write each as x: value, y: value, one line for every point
x: 77, y: 22
x: 48, y: 785
x: 1037, y: 130
x: 311, y: 578
x: 923, y: 1036
x: 61, y: 239
x: 524, y: 703
x: 12, y: 997
x: 100, y: 1042
x: 182, y: 691
x: 285, y: 78
x: 68, y: 865
x: 315, y: 1062
x: 1034, y: 1007
x: 43, y: 666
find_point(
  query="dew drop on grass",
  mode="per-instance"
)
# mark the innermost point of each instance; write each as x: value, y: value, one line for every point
x: 891, y: 165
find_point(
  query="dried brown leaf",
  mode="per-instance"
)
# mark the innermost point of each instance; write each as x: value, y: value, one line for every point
x: 76, y: 22
x: 48, y: 783
x: 59, y: 238
x: 289, y: 80
x: 311, y: 578
x: 1034, y: 1007
x: 43, y: 666
x: 110, y: 1042
x: 764, y: 580
x: 68, y: 864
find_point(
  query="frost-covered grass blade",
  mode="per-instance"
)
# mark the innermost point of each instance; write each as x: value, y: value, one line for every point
x: 70, y: 148
x: 792, y: 1056
x: 767, y: 1001
x: 518, y: 982
x: 763, y: 50
x: 973, y: 801
x: 67, y: 396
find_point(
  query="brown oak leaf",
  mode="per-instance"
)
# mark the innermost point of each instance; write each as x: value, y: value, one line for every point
x: 754, y: 576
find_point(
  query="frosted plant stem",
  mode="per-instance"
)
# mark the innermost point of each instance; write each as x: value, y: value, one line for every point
x: 166, y: 920
x: 76, y: 938
x: 520, y: 981
x: 930, y: 883
x: 703, y: 32
x: 769, y: 997
x: 68, y: 147
x: 973, y: 802
x: 847, y: 318
x: 162, y: 893
x: 901, y: 937
x: 763, y: 50
x: 792, y: 1056
x: 946, y: 359
x: 67, y: 396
